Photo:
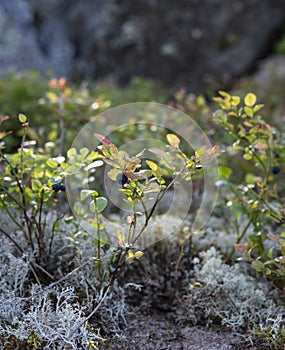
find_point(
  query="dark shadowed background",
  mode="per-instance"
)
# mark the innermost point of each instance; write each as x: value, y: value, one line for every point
x: 191, y: 43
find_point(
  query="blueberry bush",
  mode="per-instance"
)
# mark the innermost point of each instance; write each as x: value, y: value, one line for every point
x: 63, y: 286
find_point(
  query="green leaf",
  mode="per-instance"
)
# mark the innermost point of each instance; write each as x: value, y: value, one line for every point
x: 258, y: 265
x: 79, y: 208
x: 85, y: 193
x: 112, y: 174
x: 225, y: 94
x: 249, y: 111
x: 28, y: 192
x: 153, y: 166
x: 98, y: 204
x: 247, y: 156
x: 250, y: 99
x: 225, y: 172
x: 84, y: 152
x: 36, y: 185
x: 22, y: 118
x: 258, y: 107
x: 52, y: 164
x: 71, y: 153
x: 235, y: 100
x: 173, y: 140
x: 138, y: 254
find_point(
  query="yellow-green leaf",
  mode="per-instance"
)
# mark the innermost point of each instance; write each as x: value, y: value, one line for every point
x: 52, y: 96
x: 36, y: 185
x: 225, y: 94
x: 225, y: 172
x: 28, y: 192
x: 120, y: 237
x: 249, y: 111
x: 247, y: 156
x: 235, y: 100
x: 257, y: 265
x: 152, y: 165
x: 258, y: 107
x: 131, y: 255
x: 71, y: 153
x: 250, y: 99
x: 22, y: 118
x: 138, y: 254
x: 52, y: 164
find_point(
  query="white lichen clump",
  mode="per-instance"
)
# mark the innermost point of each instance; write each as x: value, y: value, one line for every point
x: 226, y: 293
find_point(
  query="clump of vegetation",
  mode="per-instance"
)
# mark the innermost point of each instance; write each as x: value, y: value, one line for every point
x: 65, y: 286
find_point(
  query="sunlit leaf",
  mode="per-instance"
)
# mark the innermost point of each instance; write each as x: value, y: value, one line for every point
x: 249, y: 111
x: 250, y: 99
x: 22, y: 118
x: 153, y: 166
x: 120, y: 237
x: 235, y: 100
x: 225, y: 172
x: 71, y: 153
x: 52, y: 164
x: 138, y: 254
x: 173, y: 140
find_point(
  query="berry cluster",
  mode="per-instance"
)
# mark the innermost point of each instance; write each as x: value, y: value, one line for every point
x: 58, y: 187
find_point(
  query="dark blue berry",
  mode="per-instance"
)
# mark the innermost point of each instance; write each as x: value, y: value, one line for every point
x: 276, y: 170
x: 56, y: 187
x: 14, y: 171
x: 121, y: 179
x: 62, y: 187
x: 276, y: 155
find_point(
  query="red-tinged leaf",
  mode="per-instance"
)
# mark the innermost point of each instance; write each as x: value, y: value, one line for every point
x: 102, y: 139
x: 173, y: 140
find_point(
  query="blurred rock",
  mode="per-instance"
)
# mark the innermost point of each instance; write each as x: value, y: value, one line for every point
x: 186, y: 42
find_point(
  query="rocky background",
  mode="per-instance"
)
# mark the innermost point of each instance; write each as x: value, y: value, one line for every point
x: 194, y: 43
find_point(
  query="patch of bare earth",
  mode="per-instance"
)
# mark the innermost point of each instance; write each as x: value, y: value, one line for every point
x: 160, y: 332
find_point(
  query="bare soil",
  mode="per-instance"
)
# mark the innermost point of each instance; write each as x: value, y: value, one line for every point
x: 160, y: 332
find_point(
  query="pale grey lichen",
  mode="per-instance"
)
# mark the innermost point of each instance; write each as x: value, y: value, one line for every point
x: 228, y: 295
x: 54, y: 316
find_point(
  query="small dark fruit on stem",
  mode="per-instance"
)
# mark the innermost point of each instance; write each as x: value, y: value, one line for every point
x: 276, y: 170
x: 121, y: 179
x: 58, y: 187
